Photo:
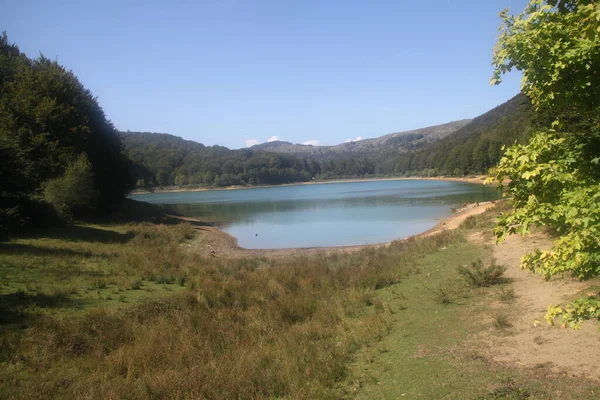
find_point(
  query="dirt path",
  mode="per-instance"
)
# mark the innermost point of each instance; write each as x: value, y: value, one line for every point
x: 216, y: 243
x: 567, y: 351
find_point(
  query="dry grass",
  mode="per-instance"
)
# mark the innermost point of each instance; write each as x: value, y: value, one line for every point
x: 240, y: 329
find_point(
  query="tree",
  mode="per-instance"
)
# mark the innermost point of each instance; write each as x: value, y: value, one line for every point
x: 555, y: 177
x: 48, y: 118
x: 73, y: 193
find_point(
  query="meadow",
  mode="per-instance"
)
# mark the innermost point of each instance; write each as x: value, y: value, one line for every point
x: 128, y: 310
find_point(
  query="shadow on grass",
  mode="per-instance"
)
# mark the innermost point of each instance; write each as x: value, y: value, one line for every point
x: 139, y: 211
x: 77, y: 233
x: 14, y: 306
x: 21, y: 249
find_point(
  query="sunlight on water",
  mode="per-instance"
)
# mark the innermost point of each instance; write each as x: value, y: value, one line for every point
x: 336, y: 214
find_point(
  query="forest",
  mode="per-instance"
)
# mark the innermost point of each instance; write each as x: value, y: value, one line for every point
x: 60, y: 157
x: 166, y: 160
x: 63, y: 159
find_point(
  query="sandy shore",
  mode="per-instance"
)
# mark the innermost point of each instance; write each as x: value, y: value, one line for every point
x: 469, y: 179
x: 214, y: 242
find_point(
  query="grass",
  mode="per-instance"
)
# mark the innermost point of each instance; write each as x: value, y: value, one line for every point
x: 130, y: 313
x: 432, y: 351
x: 508, y: 295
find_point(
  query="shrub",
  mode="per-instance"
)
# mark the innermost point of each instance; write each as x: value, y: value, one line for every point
x: 74, y: 191
x: 501, y: 321
x: 441, y: 295
x: 136, y: 284
x: 508, y: 294
x: 479, y: 276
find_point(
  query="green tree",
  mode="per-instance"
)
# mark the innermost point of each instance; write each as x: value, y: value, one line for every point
x: 74, y: 193
x: 48, y: 118
x: 555, y: 177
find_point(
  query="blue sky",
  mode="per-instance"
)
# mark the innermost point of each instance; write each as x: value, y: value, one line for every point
x: 225, y: 71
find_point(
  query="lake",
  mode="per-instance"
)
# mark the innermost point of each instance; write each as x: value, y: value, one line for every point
x: 323, y: 215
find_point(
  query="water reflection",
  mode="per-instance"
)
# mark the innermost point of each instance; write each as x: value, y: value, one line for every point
x: 325, y: 215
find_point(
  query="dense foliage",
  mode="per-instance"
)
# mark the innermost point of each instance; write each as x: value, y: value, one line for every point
x: 162, y: 160
x: 555, y: 177
x: 47, y: 120
x: 476, y: 147
x: 73, y: 192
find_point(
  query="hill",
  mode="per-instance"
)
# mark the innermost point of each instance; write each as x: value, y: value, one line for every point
x: 456, y: 148
x: 476, y: 147
x: 398, y: 141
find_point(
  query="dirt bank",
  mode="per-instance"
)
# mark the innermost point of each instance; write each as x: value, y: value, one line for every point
x: 531, y: 341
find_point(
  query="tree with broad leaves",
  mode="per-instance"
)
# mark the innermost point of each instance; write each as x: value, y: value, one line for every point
x: 555, y: 177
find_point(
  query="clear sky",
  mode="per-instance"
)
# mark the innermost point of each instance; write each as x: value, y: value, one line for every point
x: 226, y: 71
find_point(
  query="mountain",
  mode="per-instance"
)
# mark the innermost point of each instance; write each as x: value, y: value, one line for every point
x: 456, y: 148
x: 477, y: 146
x: 400, y: 142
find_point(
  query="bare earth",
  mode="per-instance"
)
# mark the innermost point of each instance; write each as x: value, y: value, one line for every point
x: 567, y: 351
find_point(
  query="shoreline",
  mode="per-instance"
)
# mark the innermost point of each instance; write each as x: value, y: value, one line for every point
x: 477, y: 179
x: 218, y: 243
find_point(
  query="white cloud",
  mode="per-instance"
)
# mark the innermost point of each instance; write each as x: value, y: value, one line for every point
x: 251, y: 142
x: 313, y: 142
x: 353, y: 140
x: 274, y: 139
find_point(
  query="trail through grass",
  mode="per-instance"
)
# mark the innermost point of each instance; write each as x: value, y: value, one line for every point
x: 130, y: 311
x: 430, y: 352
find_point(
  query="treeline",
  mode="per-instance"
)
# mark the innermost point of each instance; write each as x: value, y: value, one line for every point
x: 475, y: 148
x: 166, y: 160
x: 59, y: 155
x: 61, y: 158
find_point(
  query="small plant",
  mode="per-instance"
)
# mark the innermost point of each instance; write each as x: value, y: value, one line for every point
x: 479, y: 276
x: 508, y: 390
x: 508, y: 294
x: 99, y: 284
x: 441, y: 295
x: 539, y: 340
x: 164, y: 279
x: 136, y: 285
x: 501, y: 321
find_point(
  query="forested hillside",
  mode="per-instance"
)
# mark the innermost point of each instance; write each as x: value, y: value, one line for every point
x: 56, y: 146
x: 161, y: 159
x: 476, y: 147
x: 58, y: 149
x: 457, y: 148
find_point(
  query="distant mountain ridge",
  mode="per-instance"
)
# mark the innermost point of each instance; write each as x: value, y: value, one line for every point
x: 398, y: 141
x: 456, y: 148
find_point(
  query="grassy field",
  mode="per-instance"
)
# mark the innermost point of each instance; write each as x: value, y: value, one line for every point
x: 128, y: 311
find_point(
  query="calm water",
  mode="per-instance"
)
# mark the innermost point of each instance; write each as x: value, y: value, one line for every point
x: 336, y: 214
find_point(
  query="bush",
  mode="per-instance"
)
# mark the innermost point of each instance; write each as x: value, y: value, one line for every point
x: 501, y: 321
x: 74, y: 192
x: 479, y: 276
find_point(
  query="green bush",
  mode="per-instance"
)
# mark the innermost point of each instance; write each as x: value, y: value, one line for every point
x: 73, y: 192
x: 479, y: 276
